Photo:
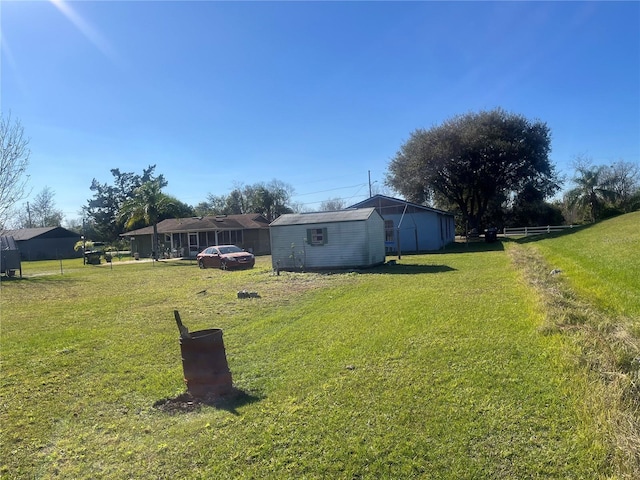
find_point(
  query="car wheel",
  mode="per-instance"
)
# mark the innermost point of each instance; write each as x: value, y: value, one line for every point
x: 223, y: 265
x: 201, y: 263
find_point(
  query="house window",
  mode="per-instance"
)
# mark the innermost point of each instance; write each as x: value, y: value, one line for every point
x: 388, y: 231
x: 317, y: 236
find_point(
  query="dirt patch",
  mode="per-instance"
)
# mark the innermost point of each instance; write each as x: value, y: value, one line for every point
x: 186, y: 403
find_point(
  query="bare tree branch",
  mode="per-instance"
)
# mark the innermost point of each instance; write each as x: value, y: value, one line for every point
x: 14, y: 160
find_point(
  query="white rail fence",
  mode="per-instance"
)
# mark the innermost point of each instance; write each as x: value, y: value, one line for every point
x: 525, y: 231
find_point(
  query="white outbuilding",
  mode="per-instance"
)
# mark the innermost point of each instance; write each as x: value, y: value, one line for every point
x: 351, y: 238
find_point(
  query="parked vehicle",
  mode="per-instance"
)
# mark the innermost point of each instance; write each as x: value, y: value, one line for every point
x: 225, y: 257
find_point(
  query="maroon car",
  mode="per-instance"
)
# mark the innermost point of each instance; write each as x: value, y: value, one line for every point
x: 225, y: 257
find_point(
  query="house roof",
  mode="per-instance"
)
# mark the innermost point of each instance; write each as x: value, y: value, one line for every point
x: 350, y: 215
x: 248, y: 221
x: 23, y: 234
x: 382, y: 202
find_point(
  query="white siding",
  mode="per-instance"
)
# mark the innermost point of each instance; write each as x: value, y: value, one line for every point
x: 349, y: 244
x: 375, y: 234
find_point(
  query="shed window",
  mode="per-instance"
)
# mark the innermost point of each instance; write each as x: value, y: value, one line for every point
x: 317, y: 236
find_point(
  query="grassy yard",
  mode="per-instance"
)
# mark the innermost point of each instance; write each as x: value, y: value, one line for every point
x: 593, y: 299
x: 433, y: 368
x: 602, y: 263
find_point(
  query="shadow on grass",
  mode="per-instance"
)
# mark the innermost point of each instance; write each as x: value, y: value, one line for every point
x: 44, y: 277
x: 410, y: 269
x: 185, y: 402
x: 181, y: 262
x: 392, y: 267
x: 463, y: 247
x: 4, y: 278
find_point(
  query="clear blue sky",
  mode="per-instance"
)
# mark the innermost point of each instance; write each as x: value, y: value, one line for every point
x: 314, y: 94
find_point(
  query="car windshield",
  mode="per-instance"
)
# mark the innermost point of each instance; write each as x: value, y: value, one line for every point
x: 231, y: 249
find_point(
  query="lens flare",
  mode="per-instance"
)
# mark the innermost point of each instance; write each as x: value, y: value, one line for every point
x: 86, y: 29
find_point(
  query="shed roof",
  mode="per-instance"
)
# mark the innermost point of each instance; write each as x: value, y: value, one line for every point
x: 248, y: 221
x: 382, y: 202
x: 350, y: 215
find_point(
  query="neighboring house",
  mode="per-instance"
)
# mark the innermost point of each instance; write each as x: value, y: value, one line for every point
x: 410, y: 227
x: 46, y: 243
x: 186, y: 237
x: 342, y: 239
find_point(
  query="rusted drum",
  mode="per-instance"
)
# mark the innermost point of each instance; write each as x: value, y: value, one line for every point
x: 204, y: 363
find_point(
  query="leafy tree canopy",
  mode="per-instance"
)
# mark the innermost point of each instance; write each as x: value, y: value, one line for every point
x: 623, y: 179
x: 602, y: 190
x: 592, y: 190
x: 148, y: 206
x: 474, y: 160
x: 41, y: 212
x: 270, y: 199
x: 104, y: 208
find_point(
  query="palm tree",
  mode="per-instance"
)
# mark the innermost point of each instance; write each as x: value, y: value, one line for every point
x: 146, y: 205
x: 591, y: 191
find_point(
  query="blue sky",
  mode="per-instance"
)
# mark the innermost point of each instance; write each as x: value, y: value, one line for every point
x: 314, y: 94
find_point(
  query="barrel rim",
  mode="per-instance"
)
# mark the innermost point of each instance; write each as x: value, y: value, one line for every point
x: 199, y: 334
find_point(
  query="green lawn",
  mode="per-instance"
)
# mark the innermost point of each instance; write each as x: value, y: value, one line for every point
x: 602, y: 262
x: 433, y: 368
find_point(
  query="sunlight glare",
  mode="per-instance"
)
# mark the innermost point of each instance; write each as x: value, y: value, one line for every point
x: 86, y: 29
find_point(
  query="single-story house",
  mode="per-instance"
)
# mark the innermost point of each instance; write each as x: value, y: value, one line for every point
x: 410, y: 227
x: 45, y: 243
x: 324, y: 240
x: 186, y: 237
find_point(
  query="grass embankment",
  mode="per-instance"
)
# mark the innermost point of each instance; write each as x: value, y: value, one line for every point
x: 433, y: 368
x: 593, y: 298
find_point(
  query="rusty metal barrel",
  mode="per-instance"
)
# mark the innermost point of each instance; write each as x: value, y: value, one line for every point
x: 204, y: 363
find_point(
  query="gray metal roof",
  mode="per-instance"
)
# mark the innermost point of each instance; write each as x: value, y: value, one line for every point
x: 247, y: 221
x: 382, y: 201
x: 351, y: 215
x: 22, y: 234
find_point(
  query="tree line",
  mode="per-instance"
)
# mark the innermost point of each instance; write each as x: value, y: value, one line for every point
x: 492, y: 168
x: 489, y: 168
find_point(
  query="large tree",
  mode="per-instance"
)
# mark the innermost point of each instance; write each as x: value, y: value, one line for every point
x: 104, y: 208
x: 14, y: 160
x: 41, y: 212
x: 473, y: 161
x: 270, y: 199
x: 623, y: 179
x: 147, y: 206
x: 333, y: 204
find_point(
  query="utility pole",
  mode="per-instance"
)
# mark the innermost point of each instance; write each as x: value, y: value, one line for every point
x: 369, y: 183
x: 29, y: 215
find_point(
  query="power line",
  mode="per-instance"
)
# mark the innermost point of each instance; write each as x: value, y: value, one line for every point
x: 330, y: 190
